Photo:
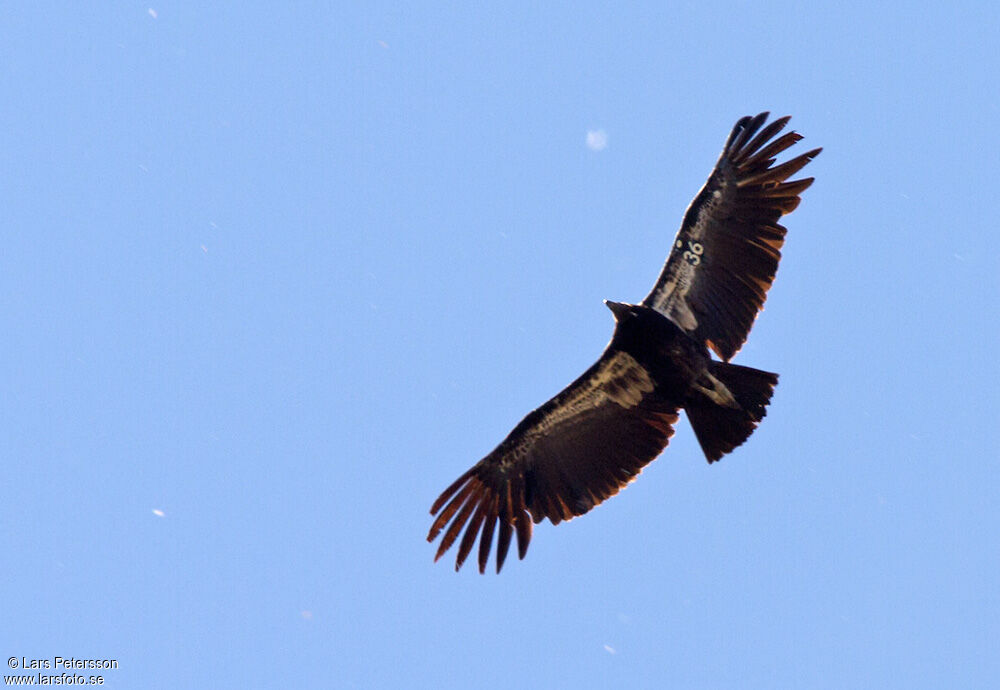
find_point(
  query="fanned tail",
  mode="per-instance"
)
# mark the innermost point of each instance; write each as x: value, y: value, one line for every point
x: 720, y: 428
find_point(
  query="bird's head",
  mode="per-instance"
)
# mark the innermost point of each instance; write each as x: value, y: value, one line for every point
x: 622, y: 311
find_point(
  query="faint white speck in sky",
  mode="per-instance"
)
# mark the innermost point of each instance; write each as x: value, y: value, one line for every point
x: 383, y: 44
x: 597, y: 139
x: 157, y: 512
x: 204, y: 249
x: 609, y: 649
x: 152, y: 13
x: 307, y: 615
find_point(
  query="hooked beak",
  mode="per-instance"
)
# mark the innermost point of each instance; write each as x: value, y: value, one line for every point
x: 617, y: 308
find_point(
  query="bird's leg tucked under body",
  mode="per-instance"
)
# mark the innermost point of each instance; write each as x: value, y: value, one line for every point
x: 716, y: 391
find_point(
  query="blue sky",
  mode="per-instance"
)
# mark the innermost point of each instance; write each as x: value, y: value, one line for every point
x: 272, y: 278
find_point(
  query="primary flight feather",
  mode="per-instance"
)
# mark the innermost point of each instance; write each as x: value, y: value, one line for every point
x: 594, y: 437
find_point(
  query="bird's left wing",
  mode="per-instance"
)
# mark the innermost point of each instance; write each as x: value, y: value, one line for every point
x: 726, y: 253
x: 576, y: 450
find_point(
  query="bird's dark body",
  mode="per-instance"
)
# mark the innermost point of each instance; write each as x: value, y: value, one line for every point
x: 594, y: 437
x: 673, y: 358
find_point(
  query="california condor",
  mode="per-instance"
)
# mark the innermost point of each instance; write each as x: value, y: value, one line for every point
x: 594, y: 437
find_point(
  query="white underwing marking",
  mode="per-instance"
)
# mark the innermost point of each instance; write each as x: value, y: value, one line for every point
x: 625, y: 381
x: 682, y: 315
x: 621, y: 379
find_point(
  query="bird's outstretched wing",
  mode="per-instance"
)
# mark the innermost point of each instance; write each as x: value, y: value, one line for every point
x: 726, y: 253
x: 576, y: 450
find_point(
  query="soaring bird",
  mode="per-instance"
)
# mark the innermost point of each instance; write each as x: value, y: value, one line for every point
x: 593, y: 438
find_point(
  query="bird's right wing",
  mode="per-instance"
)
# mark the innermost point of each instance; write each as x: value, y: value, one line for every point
x: 726, y: 253
x: 573, y: 452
